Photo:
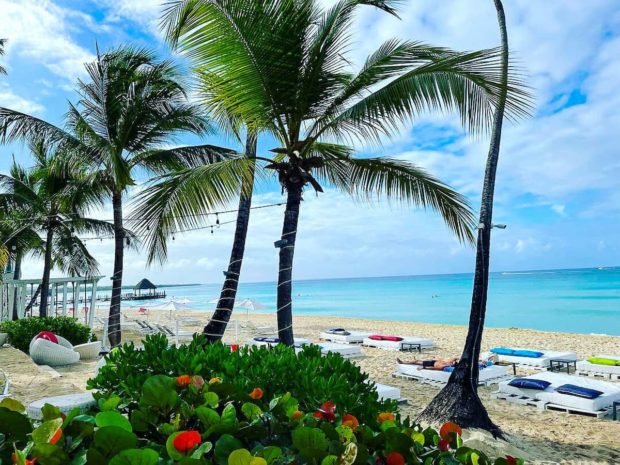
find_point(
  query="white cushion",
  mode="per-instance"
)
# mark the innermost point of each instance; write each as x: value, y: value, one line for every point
x: 356, y: 337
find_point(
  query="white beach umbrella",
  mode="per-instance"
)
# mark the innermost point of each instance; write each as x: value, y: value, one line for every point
x: 170, y: 306
x: 249, y: 304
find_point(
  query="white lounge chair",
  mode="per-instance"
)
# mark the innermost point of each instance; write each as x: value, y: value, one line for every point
x: 84, y: 401
x: 586, y: 368
x: 344, y: 337
x: 407, y: 343
x: 346, y: 350
x: 168, y: 332
x: 550, y: 399
x: 487, y: 376
x: 89, y: 350
x: 543, y: 361
x: 388, y: 392
x: 44, y: 352
x: 272, y: 341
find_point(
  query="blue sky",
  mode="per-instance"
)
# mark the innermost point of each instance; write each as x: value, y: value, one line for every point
x: 559, y: 174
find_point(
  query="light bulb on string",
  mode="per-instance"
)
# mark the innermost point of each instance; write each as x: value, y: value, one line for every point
x: 217, y: 219
x: 211, y: 229
x: 173, y: 238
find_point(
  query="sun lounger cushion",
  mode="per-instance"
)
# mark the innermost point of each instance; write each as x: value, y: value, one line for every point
x: 529, y: 383
x: 269, y: 340
x: 377, y: 337
x: 517, y: 352
x: 346, y: 337
x: 337, y: 331
x: 604, y: 361
x: 47, y: 335
x: 579, y: 391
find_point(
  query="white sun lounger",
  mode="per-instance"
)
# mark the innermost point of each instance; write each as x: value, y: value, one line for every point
x: 298, y: 341
x: 398, y: 345
x: 533, y: 362
x: 586, y: 368
x: 346, y: 350
x: 489, y: 375
x: 354, y: 337
x: 388, y: 392
x: 549, y: 399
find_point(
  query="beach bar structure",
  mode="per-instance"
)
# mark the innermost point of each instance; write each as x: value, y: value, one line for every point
x: 144, y: 290
x: 15, y: 294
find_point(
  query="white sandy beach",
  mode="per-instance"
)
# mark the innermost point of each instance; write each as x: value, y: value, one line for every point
x: 542, y: 436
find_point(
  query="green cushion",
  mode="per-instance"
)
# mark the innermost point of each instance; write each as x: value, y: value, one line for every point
x: 604, y: 361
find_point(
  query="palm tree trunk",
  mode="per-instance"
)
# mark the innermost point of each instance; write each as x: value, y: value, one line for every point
x: 285, y: 270
x: 114, y: 321
x: 214, y: 330
x: 47, y: 267
x: 17, y: 273
x: 459, y: 400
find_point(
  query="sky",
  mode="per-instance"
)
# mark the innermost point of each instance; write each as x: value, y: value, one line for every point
x: 559, y: 172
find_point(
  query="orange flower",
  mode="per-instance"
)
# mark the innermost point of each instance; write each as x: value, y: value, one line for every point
x: 385, y: 416
x: 297, y: 414
x: 56, y: 436
x: 32, y: 461
x: 256, y: 393
x: 395, y: 458
x: 350, y: 421
x: 215, y: 380
x: 448, y: 428
x: 326, y: 411
x: 186, y: 441
x: 183, y: 380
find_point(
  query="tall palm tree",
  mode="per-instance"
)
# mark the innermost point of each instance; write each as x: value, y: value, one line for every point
x: 286, y: 69
x: 53, y: 199
x: 2, y: 44
x: 129, y: 109
x: 459, y: 400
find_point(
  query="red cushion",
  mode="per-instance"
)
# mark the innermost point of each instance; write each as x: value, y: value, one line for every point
x: 376, y: 337
x: 48, y: 336
x: 392, y: 338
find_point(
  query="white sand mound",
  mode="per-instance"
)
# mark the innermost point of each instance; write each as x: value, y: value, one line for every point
x: 484, y: 441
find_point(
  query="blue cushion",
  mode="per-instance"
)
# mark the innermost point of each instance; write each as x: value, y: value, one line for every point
x: 579, y: 391
x: 528, y: 353
x: 502, y: 351
x: 530, y: 383
x: 448, y: 369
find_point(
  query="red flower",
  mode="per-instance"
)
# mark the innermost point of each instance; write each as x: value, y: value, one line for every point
x: 297, y: 414
x: 56, y: 436
x: 510, y: 460
x: 443, y: 445
x: 256, y: 393
x: 350, y: 421
x: 448, y: 428
x: 395, y: 458
x: 183, y: 380
x: 326, y: 411
x: 186, y: 441
x: 385, y: 416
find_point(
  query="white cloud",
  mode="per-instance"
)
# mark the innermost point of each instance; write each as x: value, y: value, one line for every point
x: 41, y: 30
x: 11, y: 100
x: 145, y: 13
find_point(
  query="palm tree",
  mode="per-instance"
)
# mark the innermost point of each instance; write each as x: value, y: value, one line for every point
x: 286, y: 69
x: 54, y: 199
x: 131, y: 107
x: 2, y: 44
x: 459, y: 400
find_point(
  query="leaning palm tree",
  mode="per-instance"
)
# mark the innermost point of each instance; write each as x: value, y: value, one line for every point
x: 54, y: 199
x: 131, y: 107
x: 459, y: 400
x: 286, y: 68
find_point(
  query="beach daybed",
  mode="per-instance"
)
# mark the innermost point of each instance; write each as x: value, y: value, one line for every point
x: 342, y: 336
x: 346, y: 350
x: 604, y: 366
x: 264, y: 341
x: 590, y: 397
x: 489, y: 375
x: 46, y: 352
x: 84, y: 401
x: 404, y: 343
x: 388, y: 392
x: 529, y: 357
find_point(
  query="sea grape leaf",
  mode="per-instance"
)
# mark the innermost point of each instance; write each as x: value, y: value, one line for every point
x: 14, y: 425
x: 251, y: 411
x: 159, y: 391
x: 46, y: 430
x: 110, y: 440
x: 224, y: 446
x: 136, y: 457
x: 311, y: 442
x: 13, y: 405
x: 50, y: 454
x: 211, y: 399
x: 112, y: 419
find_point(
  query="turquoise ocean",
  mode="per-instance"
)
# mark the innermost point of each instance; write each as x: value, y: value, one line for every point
x: 572, y: 300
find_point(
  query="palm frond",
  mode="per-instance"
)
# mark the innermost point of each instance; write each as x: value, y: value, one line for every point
x: 71, y: 255
x: 178, y: 158
x: 179, y: 201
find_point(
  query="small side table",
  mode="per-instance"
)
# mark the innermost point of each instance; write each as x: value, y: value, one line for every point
x: 507, y: 364
x: 559, y: 365
x: 410, y: 347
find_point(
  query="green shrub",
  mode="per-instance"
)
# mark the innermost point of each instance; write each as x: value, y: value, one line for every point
x: 188, y: 421
x: 22, y: 331
x: 308, y: 376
